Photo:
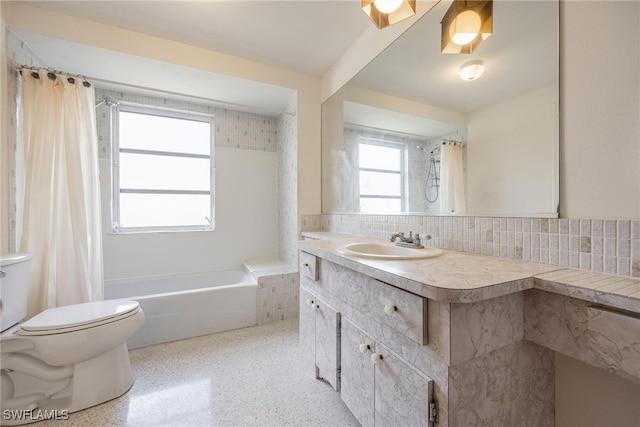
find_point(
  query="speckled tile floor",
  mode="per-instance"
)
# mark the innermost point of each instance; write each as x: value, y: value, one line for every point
x: 248, y: 377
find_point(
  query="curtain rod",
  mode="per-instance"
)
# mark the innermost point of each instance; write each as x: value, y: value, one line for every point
x: 223, y: 104
x: 52, y: 74
x: 176, y: 94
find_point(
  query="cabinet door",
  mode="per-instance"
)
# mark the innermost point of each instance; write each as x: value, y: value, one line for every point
x: 327, y: 343
x: 402, y: 394
x: 356, y: 377
x: 308, y: 325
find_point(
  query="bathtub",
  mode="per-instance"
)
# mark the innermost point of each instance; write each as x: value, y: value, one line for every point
x: 188, y: 305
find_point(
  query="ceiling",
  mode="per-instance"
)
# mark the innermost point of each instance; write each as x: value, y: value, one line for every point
x: 521, y: 55
x: 309, y: 37
x: 301, y: 35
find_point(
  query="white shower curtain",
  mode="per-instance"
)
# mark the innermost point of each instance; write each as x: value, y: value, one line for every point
x: 61, y: 222
x: 453, y: 194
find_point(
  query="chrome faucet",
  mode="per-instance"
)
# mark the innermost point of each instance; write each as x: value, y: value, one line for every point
x: 396, y: 235
x: 410, y: 242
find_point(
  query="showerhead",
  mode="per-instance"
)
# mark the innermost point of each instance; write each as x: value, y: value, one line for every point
x: 108, y: 101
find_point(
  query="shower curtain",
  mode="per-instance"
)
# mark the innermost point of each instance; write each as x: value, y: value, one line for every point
x: 452, y: 191
x: 61, y: 221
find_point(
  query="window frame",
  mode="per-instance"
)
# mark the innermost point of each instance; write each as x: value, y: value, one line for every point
x: 402, y: 148
x: 116, y: 190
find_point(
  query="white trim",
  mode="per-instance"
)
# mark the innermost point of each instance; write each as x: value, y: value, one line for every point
x: 115, y: 183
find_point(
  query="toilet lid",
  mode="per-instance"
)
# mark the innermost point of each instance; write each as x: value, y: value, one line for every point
x: 79, y: 315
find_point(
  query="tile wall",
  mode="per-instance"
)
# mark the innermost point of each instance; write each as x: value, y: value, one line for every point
x: 607, y: 246
x: 277, y: 297
x: 234, y: 129
x: 288, y: 184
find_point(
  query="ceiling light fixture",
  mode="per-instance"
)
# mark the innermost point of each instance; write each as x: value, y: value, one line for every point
x: 465, y: 25
x: 387, y: 12
x: 471, y: 70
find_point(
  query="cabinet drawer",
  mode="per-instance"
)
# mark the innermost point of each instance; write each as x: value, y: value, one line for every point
x: 403, y: 311
x: 309, y: 266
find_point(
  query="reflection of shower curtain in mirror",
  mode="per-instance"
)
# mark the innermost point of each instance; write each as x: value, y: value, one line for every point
x: 452, y: 191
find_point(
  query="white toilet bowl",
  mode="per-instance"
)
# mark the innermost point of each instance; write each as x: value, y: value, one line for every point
x: 66, y: 359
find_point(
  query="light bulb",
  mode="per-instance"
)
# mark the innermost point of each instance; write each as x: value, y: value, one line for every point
x: 471, y: 70
x: 388, y: 6
x: 465, y: 27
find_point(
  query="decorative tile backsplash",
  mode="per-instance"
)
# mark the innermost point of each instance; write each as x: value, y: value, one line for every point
x: 607, y: 246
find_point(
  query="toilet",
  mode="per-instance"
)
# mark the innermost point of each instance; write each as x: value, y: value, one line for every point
x: 64, y: 359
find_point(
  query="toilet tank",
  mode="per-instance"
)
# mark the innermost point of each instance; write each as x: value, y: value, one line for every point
x: 14, y: 288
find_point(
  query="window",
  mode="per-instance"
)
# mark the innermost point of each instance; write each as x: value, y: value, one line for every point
x: 162, y: 170
x: 382, y: 176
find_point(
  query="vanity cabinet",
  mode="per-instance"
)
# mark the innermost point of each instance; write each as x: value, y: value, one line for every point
x: 319, y: 335
x: 379, y: 387
x: 462, y: 339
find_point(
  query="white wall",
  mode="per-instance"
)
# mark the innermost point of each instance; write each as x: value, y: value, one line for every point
x: 246, y: 224
x: 600, y: 109
x: 508, y: 151
x: 600, y: 168
x: 51, y: 24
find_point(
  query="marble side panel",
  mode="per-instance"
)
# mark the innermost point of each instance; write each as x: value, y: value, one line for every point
x: 482, y: 327
x: 614, y: 339
x: 357, y: 375
x: 402, y: 394
x: 513, y: 386
x: 605, y: 338
x: 439, y: 327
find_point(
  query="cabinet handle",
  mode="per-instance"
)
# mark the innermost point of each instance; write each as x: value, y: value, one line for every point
x: 376, y: 358
x: 364, y: 348
x: 312, y: 305
x: 390, y: 309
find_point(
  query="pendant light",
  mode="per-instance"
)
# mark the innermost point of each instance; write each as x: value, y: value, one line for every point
x: 465, y: 25
x: 387, y: 12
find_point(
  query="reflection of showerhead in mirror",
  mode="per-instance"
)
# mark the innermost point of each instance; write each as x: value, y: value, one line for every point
x: 433, y: 152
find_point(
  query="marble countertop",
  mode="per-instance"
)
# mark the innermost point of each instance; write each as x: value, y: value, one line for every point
x: 467, y: 277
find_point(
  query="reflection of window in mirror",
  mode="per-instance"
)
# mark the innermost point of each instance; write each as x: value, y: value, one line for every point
x: 381, y: 175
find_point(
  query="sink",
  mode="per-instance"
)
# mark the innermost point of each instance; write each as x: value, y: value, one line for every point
x: 387, y: 251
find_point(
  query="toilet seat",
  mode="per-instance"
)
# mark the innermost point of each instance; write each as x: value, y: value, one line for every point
x: 77, y: 317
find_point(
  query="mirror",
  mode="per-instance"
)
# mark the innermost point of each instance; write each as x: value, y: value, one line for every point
x: 389, y: 136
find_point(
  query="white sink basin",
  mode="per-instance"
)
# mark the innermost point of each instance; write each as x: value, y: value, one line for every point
x: 387, y: 251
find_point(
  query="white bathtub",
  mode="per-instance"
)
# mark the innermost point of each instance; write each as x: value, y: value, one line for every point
x: 189, y: 305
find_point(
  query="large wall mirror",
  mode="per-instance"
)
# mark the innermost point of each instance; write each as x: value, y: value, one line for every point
x: 408, y: 135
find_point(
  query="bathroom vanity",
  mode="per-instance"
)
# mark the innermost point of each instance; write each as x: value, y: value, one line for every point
x: 460, y: 339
